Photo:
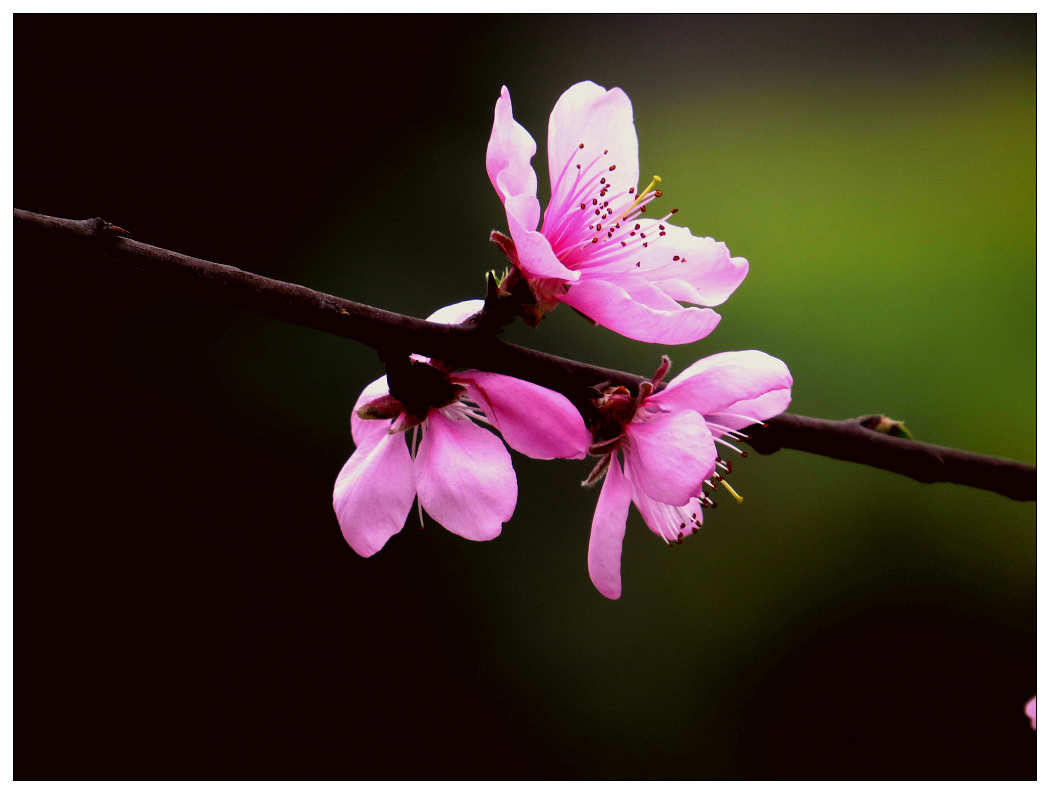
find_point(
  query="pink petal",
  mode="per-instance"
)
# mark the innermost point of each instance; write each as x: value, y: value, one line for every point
x: 688, y: 268
x: 523, y: 216
x: 749, y: 412
x: 612, y: 305
x: 603, y: 121
x: 509, y: 154
x: 666, y: 521
x: 464, y: 477
x: 373, y: 493
x: 366, y: 432
x: 457, y: 312
x: 640, y: 289
x: 714, y: 383
x: 533, y: 420
x: 670, y: 455
x: 1029, y: 710
x: 535, y: 256
x: 607, y: 531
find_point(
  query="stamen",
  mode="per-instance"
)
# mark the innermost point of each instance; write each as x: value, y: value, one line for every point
x: 575, y: 194
x: 675, y: 523
x: 564, y: 170
x: 751, y: 420
x: 736, y: 435
x: 733, y: 447
x: 461, y: 410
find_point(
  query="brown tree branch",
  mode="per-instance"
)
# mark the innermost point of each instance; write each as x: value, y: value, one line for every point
x: 471, y: 346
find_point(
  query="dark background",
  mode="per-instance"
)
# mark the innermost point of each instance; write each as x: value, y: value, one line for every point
x: 185, y: 606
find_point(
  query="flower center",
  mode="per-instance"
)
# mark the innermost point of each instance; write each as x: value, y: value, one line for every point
x: 594, y: 220
x: 617, y: 408
x: 416, y: 388
x: 421, y: 387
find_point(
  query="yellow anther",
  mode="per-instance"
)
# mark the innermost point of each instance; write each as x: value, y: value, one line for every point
x: 738, y: 497
x: 649, y: 189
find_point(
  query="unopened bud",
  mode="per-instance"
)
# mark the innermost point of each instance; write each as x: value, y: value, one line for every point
x: 883, y: 424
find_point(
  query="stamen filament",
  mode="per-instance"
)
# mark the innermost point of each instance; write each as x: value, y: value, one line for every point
x: 733, y: 447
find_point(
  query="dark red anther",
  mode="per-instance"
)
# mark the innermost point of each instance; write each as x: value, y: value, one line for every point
x: 581, y: 145
x: 676, y: 257
x: 612, y: 167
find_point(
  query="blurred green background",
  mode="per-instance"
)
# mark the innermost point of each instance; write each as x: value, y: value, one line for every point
x: 878, y: 173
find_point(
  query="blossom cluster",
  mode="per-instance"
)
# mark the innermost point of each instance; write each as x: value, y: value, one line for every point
x: 602, y: 249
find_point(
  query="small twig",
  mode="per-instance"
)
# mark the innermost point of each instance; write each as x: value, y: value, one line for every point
x: 852, y: 440
x: 474, y: 345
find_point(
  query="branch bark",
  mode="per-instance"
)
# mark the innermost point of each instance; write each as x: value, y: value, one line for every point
x: 466, y: 346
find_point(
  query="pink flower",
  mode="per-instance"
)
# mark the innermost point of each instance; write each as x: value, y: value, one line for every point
x: 460, y: 473
x: 598, y: 249
x: 1029, y: 710
x: 667, y: 440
